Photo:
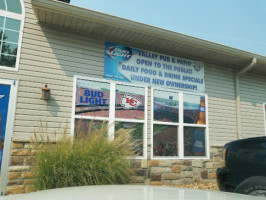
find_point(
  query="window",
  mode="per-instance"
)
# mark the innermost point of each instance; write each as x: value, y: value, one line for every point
x: 92, y: 102
x: 165, y: 123
x: 11, y: 26
x: 121, y: 105
x: 179, y: 125
x: 130, y: 113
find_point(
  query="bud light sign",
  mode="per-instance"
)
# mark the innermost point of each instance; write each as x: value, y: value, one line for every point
x: 93, y: 97
x: 120, y: 53
x: 128, y: 64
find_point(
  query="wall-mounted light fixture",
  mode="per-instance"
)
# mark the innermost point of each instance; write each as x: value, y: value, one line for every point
x: 46, y: 93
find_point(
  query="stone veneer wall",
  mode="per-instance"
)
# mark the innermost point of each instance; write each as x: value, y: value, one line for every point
x: 177, y: 172
x: 149, y: 172
x: 20, y: 178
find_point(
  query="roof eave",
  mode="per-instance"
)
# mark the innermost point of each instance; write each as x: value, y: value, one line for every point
x: 152, y: 31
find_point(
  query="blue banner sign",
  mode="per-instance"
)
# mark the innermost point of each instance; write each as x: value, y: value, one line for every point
x: 144, y: 67
x: 4, y: 101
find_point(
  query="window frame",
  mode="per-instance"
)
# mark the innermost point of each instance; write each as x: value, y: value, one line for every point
x: 112, y: 119
x: 177, y: 124
x: 181, y: 125
x: 20, y: 17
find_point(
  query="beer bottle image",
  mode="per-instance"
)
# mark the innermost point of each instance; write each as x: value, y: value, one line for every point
x: 198, y: 142
x: 201, y: 119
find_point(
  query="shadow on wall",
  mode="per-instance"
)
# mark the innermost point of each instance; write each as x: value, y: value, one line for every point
x: 52, y: 106
x: 62, y: 55
x: 74, y: 54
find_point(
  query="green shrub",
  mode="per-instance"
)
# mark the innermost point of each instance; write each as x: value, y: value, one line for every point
x: 89, y: 159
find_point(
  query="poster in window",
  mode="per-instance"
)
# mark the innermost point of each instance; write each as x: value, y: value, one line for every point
x: 194, y: 109
x: 165, y: 140
x: 4, y: 102
x: 87, y: 126
x: 92, y: 98
x: 166, y: 106
x: 130, y: 102
x: 194, y: 141
x: 136, y: 131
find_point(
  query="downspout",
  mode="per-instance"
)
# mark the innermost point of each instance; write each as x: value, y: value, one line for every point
x: 238, y: 111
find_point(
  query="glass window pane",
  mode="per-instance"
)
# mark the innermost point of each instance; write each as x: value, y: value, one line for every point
x: 8, y: 61
x: 12, y: 24
x: 11, y: 36
x: 194, y: 141
x: 1, y: 33
x: 194, y: 109
x: 9, y: 48
x: 87, y: 126
x: 130, y: 102
x: 165, y: 140
x: 166, y: 106
x: 92, y: 98
x: 2, y: 5
x: 1, y: 20
x: 14, y: 6
x: 136, y: 131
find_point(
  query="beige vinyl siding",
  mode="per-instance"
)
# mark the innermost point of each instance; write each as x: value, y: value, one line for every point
x: 220, y: 87
x: 252, y: 95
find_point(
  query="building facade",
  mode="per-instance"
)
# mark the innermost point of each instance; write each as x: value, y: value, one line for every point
x: 183, y: 97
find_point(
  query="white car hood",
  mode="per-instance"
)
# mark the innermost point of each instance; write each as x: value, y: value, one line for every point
x: 127, y: 192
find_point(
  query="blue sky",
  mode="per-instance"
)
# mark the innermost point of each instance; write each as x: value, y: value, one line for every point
x: 235, y: 23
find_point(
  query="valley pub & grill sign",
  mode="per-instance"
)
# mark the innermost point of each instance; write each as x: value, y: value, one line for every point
x: 144, y: 67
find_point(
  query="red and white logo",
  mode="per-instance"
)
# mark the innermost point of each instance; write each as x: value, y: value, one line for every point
x: 130, y: 102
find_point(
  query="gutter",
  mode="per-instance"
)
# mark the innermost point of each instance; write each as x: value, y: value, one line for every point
x: 249, y: 67
x: 238, y: 101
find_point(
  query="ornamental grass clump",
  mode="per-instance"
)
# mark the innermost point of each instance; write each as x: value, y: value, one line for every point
x: 88, y: 159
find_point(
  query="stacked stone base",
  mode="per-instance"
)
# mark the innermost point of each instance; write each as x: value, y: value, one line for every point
x: 178, y: 172
x: 148, y: 172
x: 20, y: 178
